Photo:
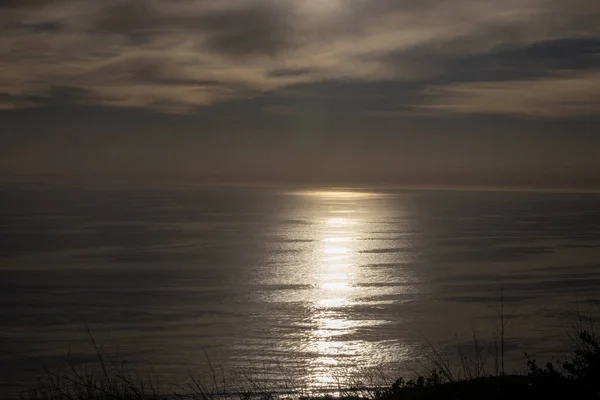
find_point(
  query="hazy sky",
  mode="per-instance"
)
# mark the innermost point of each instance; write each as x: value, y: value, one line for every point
x: 414, y: 92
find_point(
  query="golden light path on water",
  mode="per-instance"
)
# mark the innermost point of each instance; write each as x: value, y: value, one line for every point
x: 335, y: 275
x: 342, y: 225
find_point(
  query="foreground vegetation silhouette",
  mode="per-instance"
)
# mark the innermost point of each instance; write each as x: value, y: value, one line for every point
x: 577, y: 377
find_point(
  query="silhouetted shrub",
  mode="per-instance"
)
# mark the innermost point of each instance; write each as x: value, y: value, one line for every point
x: 578, y: 377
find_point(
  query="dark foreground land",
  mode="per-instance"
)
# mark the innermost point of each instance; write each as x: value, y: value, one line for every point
x: 506, y: 387
x: 502, y: 387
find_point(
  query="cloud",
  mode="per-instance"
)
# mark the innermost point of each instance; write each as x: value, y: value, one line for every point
x: 126, y: 17
x: 25, y: 3
x: 256, y: 29
x: 568, y: 95
x: 175, y: 56
x: 283, y: 72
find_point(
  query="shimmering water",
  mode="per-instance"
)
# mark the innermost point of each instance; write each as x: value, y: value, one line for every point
x: 313, y: 285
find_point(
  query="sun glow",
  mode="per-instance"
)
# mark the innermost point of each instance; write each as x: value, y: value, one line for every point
x: 339, y: 221
x: 337, y: 240
x: 336, y: 194
x: 337, y: 286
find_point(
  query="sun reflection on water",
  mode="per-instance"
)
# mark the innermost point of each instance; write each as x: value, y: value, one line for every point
x: 336, y: 274
x: 348, y: 232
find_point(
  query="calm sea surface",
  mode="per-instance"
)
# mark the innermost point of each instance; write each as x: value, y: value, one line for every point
x: 313, y: 286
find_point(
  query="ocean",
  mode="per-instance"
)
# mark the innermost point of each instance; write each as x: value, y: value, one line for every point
x: 304, y: 287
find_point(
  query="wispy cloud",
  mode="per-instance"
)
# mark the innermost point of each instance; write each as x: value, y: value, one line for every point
x: 568, y: 95
x: 178, y: 55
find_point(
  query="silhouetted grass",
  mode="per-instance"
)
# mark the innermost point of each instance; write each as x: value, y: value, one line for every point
x: 577, y: 377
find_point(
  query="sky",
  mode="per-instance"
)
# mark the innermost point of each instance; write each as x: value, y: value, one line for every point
x: 453, y: 93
